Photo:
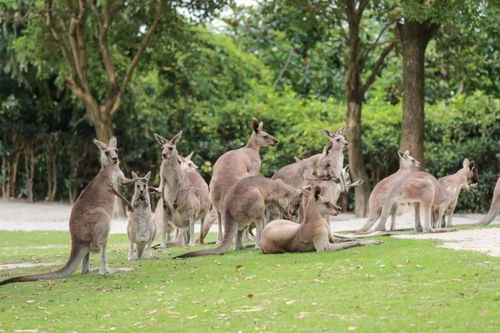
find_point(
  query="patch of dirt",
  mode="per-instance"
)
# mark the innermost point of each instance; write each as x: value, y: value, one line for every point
x: 27, y: 265
x: 481, y: 240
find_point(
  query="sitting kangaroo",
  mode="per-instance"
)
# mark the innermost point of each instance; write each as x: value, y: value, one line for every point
x: 494, y: 208
x: 184, y: 192
x: 90, y: 218
x: 453, y: 185
x: 141, y: 229
x: 380, y: 192
x: 245, y: 203
x: 313, y: 234
x: 237, y: 164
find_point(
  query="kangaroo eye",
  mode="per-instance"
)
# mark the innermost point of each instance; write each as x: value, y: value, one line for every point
x: 107, y: 153
x: 338, y: 140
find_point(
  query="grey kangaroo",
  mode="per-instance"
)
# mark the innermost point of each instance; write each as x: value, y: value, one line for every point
x: 141, y: 229
x: 90, y: 218
x: 245, y: 203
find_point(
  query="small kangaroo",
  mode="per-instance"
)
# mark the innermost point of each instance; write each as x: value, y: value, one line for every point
x: 184, y: 192
x: 313, y: 234
x: 380, y: 192
x: 141, y: 229
x: 90, y: 218
x: 245, y: 203
x: 453, y: 185
x: 494, y: 208
x: 235, y: 165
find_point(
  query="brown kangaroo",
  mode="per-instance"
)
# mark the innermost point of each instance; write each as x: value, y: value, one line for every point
x: 380, y: 192
x: 313, y: 234
x: 237, y: 164
x: 184, y: 192
x: 245, y: 203
x: 453, y: 185
x: 90, y: 218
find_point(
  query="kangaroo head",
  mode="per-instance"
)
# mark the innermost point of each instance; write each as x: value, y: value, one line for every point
x: 406, y: 161
x: 324, y: 200
x: 168, y: 147
x: 262, y: 138
x: 468, y: 167
x: 325, y: 166
x: 337, y: 139
x: 345, y: 180
x: 141, y: 188
x: 109, y: 152
x: 186, y: 162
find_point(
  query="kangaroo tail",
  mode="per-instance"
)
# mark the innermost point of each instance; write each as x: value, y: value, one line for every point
x: 229, y: 235
x: 78, y: 251
x: 140, y: 249
x: 492, y: 213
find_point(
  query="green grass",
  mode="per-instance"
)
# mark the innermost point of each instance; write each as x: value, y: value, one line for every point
x: 399, y: 286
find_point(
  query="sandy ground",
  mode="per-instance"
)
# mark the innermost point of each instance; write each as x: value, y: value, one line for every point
x: 23, y: 216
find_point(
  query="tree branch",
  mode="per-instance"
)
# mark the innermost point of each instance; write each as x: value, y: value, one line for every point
x: 377, y: 66
x: 135, y: 60
x: 373, y: 45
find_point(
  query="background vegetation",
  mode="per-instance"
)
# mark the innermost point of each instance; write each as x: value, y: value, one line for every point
x: 209, y: 70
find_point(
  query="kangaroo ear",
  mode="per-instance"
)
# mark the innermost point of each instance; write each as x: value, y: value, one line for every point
x: 329, y: 133
x: 341, y: 131
x: 101, y: 145
x: 134, y: 175
x: 176, y: 138
x: 147, y: 176
x: 346, y: 168
x: 261, y: 125
x: 407, y: 152
x: 466, y: 163
x: 400, y: 154
x: 297, y: 159
x: 255, y: 125
x: 189, y: 156
x: 472, y: 164
x: 112, y: 142
x: 161, y: 140
x: 317, y: 192
x: 306, y: 190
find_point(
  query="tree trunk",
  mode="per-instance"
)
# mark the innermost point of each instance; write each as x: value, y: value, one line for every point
x: 415, y: 37
x: 356, y: 162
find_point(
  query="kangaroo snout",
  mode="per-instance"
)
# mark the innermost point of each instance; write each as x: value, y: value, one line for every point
x: 115, y: 159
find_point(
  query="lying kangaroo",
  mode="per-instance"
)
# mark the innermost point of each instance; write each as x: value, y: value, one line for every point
x: 380, y: 192
x: 141, y: 229
x: 453, y: 185
x: 184, y: 192
x: 313, y: 234
x: 90, y: 218
x: 237, y: 164
x: 494, y: 208
x: 246, y: 202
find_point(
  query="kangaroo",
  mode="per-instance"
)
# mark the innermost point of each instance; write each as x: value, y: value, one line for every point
x: 494, y: 208
x: 418, y: 187
x: 246, y: 202
x: 327, y: 164
x: 184, y: 192
x: 141, y: 229
x: 380, y: 192
x: 237, y: 164
x: 453, y: 185
x: 90, y: 217
x: 313, y: 234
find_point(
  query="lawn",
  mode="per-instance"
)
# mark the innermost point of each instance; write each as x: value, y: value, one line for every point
x: 399, y: 286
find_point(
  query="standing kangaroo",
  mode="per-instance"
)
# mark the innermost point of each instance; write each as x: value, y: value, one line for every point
x: 422, y: 188
x: 494, y: 208
x: 184, y: 192
x: 245, y: 203
x: 380, y: 192
x: 90, y: 218
x: 141, y: 229
x: 453, y: 185
x: 313, y: 234
x: 237, y: 164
